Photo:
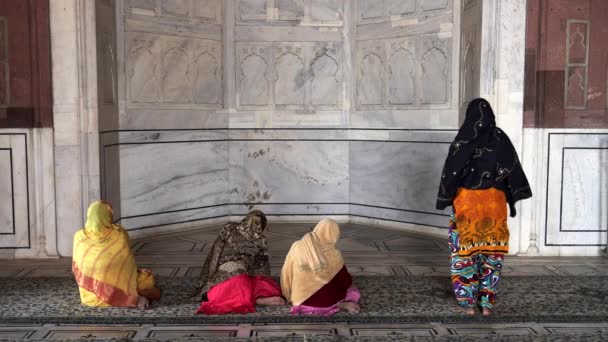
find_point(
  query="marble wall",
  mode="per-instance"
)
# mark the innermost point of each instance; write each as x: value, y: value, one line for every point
x: 570, y: 213
x: 396, y: 178
x: 27, y: 194
x: 15, y: 227
x: 289, y: 106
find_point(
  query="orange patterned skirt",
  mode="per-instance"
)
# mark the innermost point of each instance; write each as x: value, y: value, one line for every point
x: 481, y: 221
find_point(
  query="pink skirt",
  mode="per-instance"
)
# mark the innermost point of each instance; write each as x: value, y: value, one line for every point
x: 238, y: 294
x: 352, y: 295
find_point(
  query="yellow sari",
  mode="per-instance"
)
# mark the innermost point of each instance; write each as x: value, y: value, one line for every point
x: 103, y: 264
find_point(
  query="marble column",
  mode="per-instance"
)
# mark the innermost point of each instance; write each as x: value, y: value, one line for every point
x: 74, y: 69
x: 493, y: 48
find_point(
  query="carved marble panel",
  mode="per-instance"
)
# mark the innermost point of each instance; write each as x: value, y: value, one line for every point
x: 429, y: 5
x: 326, y: 75
x: 173, y: 70
x: 290, y: 75
x: 402, y: 66
x: 207, y: 73
x: 144, y: 68
x: 435, y: 70
x: 400, y: 7
x: 253, y: 82
x: 326, y: 10
x: 290, y: 9
x: 176, y: 8
x: 370, y: 84
x: 177, y: 80
x: 251, y: 10
x: 577, y: 64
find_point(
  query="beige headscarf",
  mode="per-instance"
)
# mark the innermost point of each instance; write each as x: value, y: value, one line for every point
x: 311, y: 262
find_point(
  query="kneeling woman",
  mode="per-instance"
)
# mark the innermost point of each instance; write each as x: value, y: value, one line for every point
x: 236, y: 273
x: 104, y: 266
x: 314, y: 278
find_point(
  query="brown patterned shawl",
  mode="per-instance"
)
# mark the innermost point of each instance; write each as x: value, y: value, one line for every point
x: 240, y: 248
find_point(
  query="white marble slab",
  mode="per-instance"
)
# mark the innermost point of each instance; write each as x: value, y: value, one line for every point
x: 289, y: 171
x: 576, y: 190
x: 181, y: 218
x: 14, y: 217
x: 7, y: 221
x: 160, y: 177
x: 403, y: 176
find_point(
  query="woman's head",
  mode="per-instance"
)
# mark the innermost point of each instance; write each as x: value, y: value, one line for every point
x: 99, y: 217
x: 327, y: 231
x: 479, y: 118
x: 254, y: 224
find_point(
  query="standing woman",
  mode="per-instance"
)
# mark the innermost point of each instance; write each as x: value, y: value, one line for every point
x: 236, y: 273
x: 481, y: 175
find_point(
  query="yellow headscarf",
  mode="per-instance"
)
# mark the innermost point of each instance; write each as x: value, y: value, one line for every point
x: 99, y: 218
x: 311, y: 262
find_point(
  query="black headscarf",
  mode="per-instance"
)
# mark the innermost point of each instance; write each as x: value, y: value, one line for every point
x: 482, y: 157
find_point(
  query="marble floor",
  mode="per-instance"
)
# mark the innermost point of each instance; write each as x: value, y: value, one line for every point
x: 367, y: 251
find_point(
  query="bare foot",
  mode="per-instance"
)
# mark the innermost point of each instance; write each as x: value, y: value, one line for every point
x: 486, y: 311
x: 143, y: 303
x: 270, y: 301
x: 469, y: 311
x: 350, y: 307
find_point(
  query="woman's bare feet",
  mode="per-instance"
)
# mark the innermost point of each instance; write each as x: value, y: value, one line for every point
x: 270, y: 301
x: 350, y: 307
x: 486, y: 311
x: 469, y: 311
x: 143, y: 303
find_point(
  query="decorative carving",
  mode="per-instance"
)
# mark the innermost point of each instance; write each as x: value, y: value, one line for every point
x: 289, y: 84
x: 207, y: 79
x: 401, y: 73
x: 371, y: 79
x: 576, y: 84
x: 434, y: 78
x: 399, y: 7
x: 176, y: 80
x: 326, y: 10
x: 144, y: 70
x: 253, y: 88
x: 577, y: 45
x: 4, y: 69
x: 325, y: 82
x: 577, y: 64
